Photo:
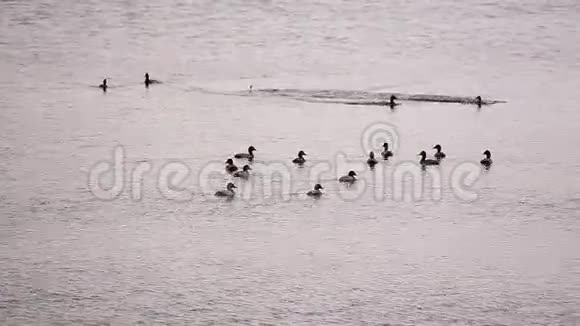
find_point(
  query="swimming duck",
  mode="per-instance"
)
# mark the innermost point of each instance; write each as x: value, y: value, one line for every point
x: 300, y: 159
x: 150, y: 81
x: 104, y: 86
x: 372, y: 160
x: 439, y: 155
x: 391, y: 101
x: 229, y: 192
x: 487, y: 161
x: 478, y: 100
x: 316, y: 192
x: 425, y: 161
x: 348, y: 178
x: 230, y: 166
x: 386, y: 152
x: 249, y: 155
x: 244, y: 174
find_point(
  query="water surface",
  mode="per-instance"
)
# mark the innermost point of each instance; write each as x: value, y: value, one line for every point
x: 358, y: 255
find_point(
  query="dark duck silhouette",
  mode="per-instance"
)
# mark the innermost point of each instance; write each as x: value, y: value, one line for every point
x: 372, y: 161
x: 425, y: 161
x: 386, y: 152
x: 230, y: 166
x: 149, y: 81
x: 350, y: 178
x: 104, y: 86
x: 249, y: 155
x: 392, y: 102
x: 439, y: 154
x: 300, y: 159
x: 487, y: 161
x: 228, y: 192
x: 244, y: 174
x: 316, y: 191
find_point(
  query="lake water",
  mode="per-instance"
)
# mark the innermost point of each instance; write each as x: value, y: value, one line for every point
x: 453, y: 245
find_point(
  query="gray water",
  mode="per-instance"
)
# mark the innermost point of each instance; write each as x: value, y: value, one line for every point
x: 360, y: 254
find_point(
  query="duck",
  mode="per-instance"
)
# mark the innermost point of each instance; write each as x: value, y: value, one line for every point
x: 244, y: 174
x: 300, y: 159
x: 316, y: 191
x: 439, y: 155
x: 478, y: 101
x: 150, y: 81
x: 391, y: 101
x: 249, y: 155
x: 348, y: 178
x: 425, y: 161
x: 229, y: 192
x: 487, y: 161
x: 230, y: 166
x: 104, y: 86
x: 386, y: 152
x: 372, y: 160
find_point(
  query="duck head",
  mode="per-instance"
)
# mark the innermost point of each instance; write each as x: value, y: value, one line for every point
x: 423, y: 154
x: 437, y: 147
x: 251, y: 149
x: 487, y: 154
x: 229, y: 161
x: 386, y: 146
x: 351, y: 173
x: 301, y: 153
x: 230, y: 186
x: 371, y: 155
x: 247, y: 168
x: 393, y: 98
x: 318, y: 186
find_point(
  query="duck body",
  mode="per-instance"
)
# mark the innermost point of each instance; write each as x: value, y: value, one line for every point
x: 429, y: 162
x: 249, y: 155
x: 228, y: 192
x: 316, y: 191
x: 372, y: 161
x: 425, y: 161
x: 104, y: 86
x: 300, y: 159
x: 487, y: 161
x: 350, y: 178
x: 149, y: 81
x: 392, y: 102
x: 244, y: 174
x: 230, y: 166
x: 439, y: 155
x: 386, y: 153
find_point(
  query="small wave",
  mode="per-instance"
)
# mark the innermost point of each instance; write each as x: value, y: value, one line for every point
x: 362, y: 97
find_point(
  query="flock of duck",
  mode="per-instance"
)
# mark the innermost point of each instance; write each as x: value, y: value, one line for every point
x: 244, y: 173
x: 350, y: 178
x: 391, y: 102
